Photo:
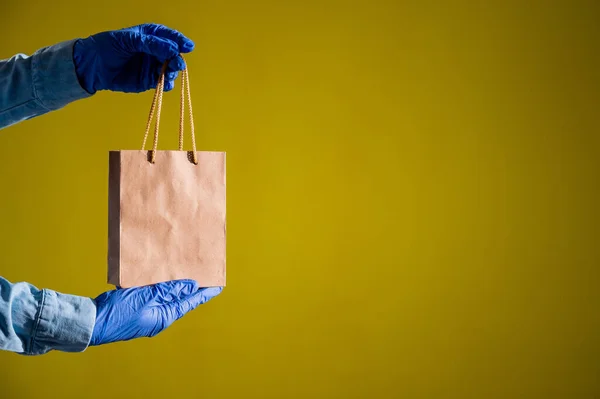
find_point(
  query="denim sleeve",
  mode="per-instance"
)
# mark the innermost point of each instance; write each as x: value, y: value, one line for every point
x: 34, y: 85
x: 34, y: 321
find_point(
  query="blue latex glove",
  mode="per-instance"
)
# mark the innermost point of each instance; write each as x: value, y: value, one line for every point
x: 130, y: 60
x: 124, y: 314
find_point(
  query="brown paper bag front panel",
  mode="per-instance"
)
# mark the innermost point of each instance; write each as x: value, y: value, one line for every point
x: 172, y: 218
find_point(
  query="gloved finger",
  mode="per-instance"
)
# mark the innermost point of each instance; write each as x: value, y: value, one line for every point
x: 170, y: 80
x: 185, y: 44
x: 176, y: 290
x: 176, y: 64
x: 169, y: 84
x: 160, y: 293
x: 162, y: 49
x: 176, y: 310
x: 169, y: 73
x: 198, y: 298
x: 170, y: 77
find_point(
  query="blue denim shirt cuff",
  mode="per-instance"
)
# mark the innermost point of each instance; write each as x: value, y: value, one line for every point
x: 64, y: 323
x: 55, y: 81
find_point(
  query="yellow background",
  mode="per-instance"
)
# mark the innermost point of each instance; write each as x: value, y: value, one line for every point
x: 412, y: 200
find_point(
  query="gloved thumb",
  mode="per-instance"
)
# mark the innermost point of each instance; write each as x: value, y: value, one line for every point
x: 162, y: 49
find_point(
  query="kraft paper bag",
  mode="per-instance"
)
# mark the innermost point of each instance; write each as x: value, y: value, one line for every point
x: 167, y: 213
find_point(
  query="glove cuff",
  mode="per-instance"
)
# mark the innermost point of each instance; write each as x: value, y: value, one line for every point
x: 84, y: 65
